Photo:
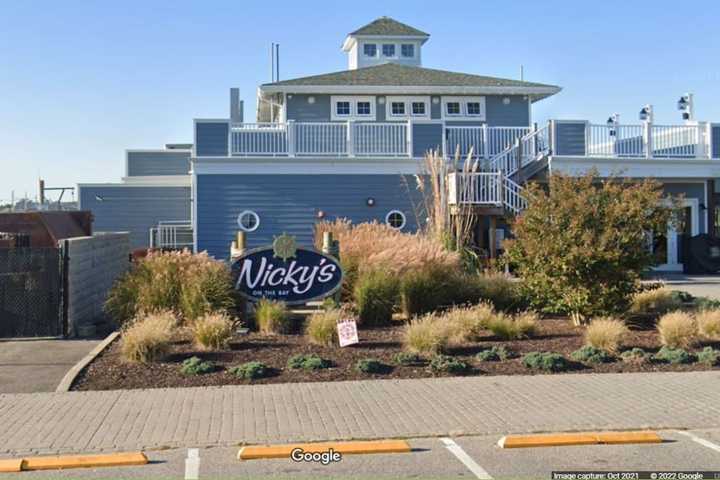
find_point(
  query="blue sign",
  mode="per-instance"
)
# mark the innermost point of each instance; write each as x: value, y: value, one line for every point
x: 293, y: 275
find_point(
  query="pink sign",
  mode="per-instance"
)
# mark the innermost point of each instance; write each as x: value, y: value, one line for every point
x: 347, y: 332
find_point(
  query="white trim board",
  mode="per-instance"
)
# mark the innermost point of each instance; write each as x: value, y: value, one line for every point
x: 387, y: 166
x: 638, y: 167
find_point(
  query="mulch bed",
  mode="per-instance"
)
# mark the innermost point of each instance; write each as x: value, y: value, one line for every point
x: 109, y: 371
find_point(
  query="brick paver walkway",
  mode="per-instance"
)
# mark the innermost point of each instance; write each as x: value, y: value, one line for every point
x: 143, y: 419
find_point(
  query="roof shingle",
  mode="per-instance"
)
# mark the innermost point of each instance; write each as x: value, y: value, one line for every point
x: 392, y: 74
x: 388, y: 26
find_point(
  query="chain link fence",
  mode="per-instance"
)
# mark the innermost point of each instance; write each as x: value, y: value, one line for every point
x: 30, y: 292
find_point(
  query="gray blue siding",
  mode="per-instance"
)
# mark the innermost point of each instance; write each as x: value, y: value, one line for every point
x: 426, y: 136
x: 171, y: 162
x: 570, y: 138
x: 716, y: 141
x: 134, y: 209
x: 300, y: 110
x: 290, y: 203
x: 211, y: 139
x: 514, y: 114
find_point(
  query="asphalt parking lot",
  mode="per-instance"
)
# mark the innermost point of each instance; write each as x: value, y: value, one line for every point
x: 436, y: 458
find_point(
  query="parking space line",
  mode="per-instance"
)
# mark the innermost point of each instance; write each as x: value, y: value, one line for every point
x: 701, y: 441
x: 471, y: 465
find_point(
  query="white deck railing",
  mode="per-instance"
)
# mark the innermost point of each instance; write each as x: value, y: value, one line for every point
x: 645, y: 140
x: 172, y: 234
x: 482, y: 188
x: 321, y: 138
x: 485, y: 142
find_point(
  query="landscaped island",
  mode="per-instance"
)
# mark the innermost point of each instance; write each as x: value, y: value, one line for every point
x: 425, y: 305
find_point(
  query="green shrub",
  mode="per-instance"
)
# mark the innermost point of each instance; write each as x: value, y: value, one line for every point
x: 148, y: 337
x: 708, y: 322
x: 673, y: 356
x: 636, y: 355
x: 307, y: 362
x: 580, y: 246
x: 375, y: 296
x: 250, y: 370
x: 495, y: 354
x: 677, y: 330
x: 446, y: 364
x: 658, y: 301
x: 213, y: 331
x: 371, y: 365
x: 709, y: 356
x: 321, y: 327
x: 546, y: 361
x: 590, y: 354
x: 606, y: 334
x: 426, y: 335
x: 423, y: 291
x: 197, y: 366
x: 408, y: 359
x: 272, y: 317
x: 706, y: 303
x: 516, y: 327
x: 189, y: 284
x: 498, y: 289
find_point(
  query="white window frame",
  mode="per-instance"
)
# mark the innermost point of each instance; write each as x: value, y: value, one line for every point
x: 408, y: 101
x: 353, y: 99
x: 376, y: 50
x: 402, y: 214
x: 464, y: 115
x: 414, y: 47
x: 243, y: 227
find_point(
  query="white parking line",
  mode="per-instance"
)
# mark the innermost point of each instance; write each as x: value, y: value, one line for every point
x: 701, y: 441
x: 192, y: 464
x: 457, y: 450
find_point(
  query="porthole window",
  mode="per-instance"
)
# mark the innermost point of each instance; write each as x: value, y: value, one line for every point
x: 396, y: 219
x: 248, y: 221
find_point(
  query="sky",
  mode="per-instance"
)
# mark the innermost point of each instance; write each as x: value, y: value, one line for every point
x: 82, y: 81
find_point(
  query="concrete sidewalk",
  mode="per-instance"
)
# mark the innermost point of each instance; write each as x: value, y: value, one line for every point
x: 144, y: 419
x: 29, y: 365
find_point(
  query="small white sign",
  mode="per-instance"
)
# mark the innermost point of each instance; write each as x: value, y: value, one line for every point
x: 347, y: 332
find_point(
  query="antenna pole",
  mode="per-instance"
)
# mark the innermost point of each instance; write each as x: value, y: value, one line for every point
x: 522, y: 73
x: 277, y: 61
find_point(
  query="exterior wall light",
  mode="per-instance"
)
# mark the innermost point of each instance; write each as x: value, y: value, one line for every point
x: 311, y: 100
x: 685, y: 105
x: 370, y: 201
x: 381, y: 100
x: 646, y: 114
x: 320, y: 214
x: 612, y: 123
x: 436, y: 100
x: 506, y: 101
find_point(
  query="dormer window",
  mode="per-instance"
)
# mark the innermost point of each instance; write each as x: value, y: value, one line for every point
x: 342, y: 109
x: 370, y: 50
x: 407, y: 50
x: 388, y: 49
